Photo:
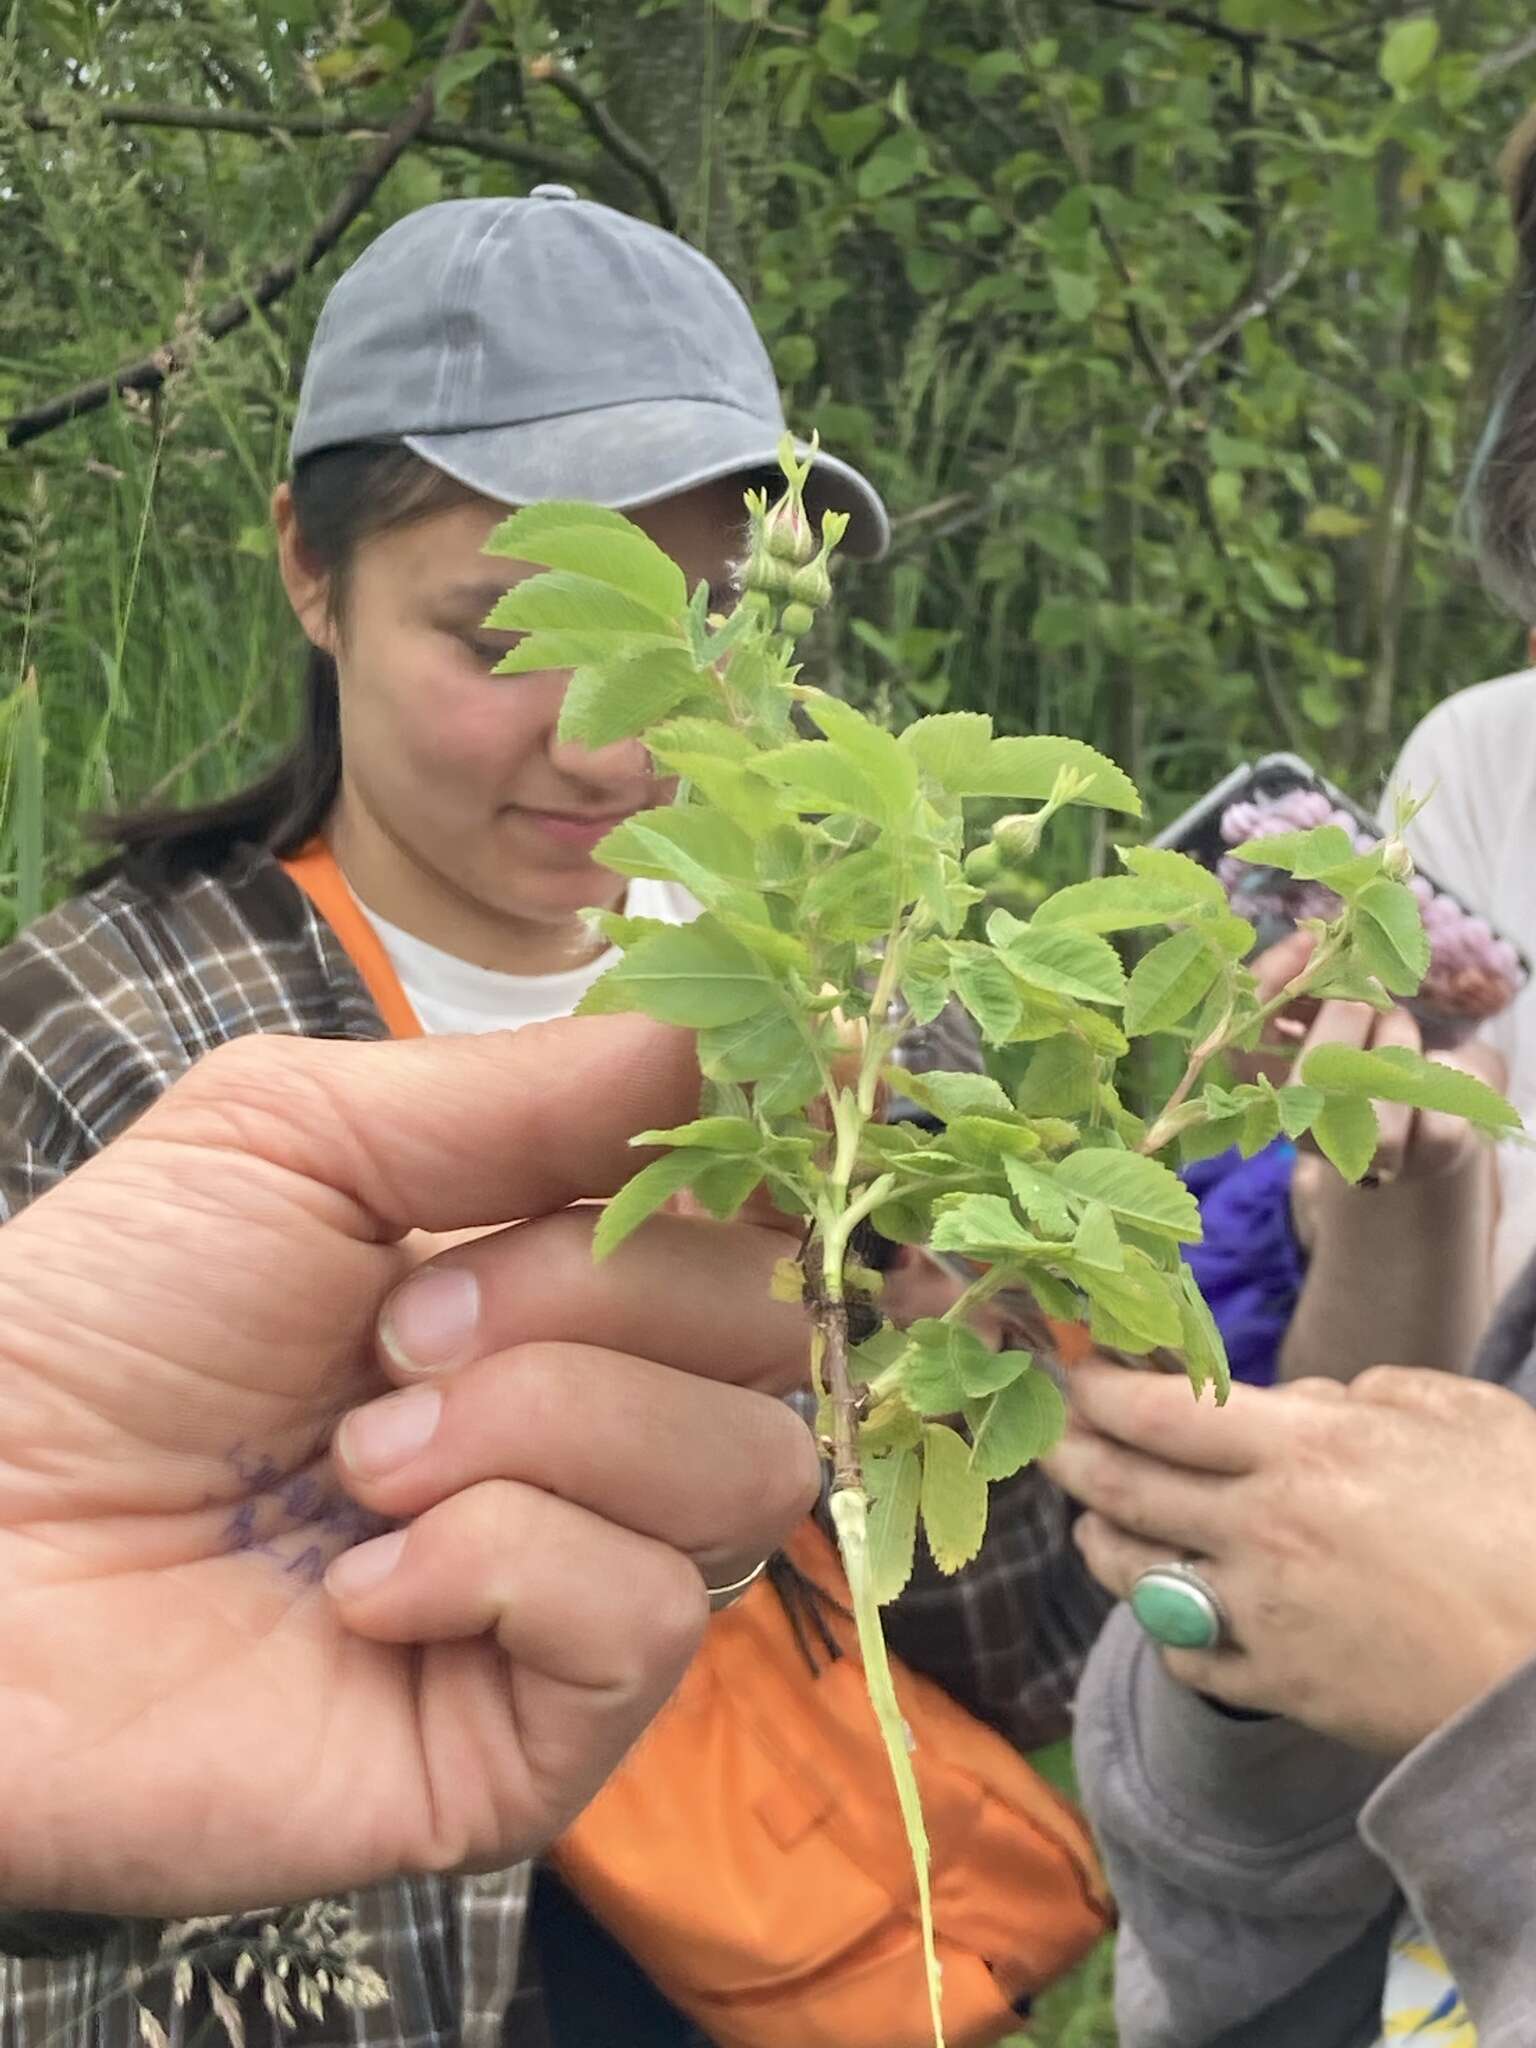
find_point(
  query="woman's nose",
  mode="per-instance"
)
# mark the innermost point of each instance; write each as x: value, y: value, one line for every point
x: 624, y: 760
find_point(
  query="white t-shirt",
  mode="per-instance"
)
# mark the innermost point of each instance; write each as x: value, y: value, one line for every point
x: 1474, y: 758
x: 449, y: 994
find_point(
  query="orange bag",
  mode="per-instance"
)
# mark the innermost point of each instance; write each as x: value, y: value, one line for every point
x: 749, y: 1852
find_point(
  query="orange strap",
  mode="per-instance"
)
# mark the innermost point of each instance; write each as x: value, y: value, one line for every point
x: 314, y: 869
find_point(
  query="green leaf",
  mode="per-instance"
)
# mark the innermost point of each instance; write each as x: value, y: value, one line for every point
x: 458, y: 70
x: 1120, y: 903
x: 987, y: 989
x: 560, y: 600
x: 1016, y: 1425
x: 1408, y: 51
x: 1167, y: 982
x: 951, y: 748
x: 954, y: 1498
x: 1037, y: 1194
x: 1205, y: 1355
x: 1061, y: 1079
x: 619, y: 698
x: 1096, y: 1242
x: 1299, y: 1108
x: 1136, y: 1190
x: 895, y: 1485
x: 856, y: 895
x: 905, y: 1219
x: 694, y: 974
x: 1060, y: 959
x: 1303, y: 854
x: 979, y: 1227
x: 986, y: 1140
x: 1134, y: 1310
x: 556, y: 647
x: 1170, y: 870
x: 872, y: 749
x: 1347, y: 1133
x: 709, y: 1133
x: 643, y: 1196
x: 681, y: 843
x: 1076, y: 294
x: 925, y: 980
x: 949, y: 1095
x: 1028, y: 767
x: 607, y: 547
x: 1392, y: 935
x: 818, y: 777
x: 761, y: 1044
x: 946, y: 1364
x: 726, y: 1183
x: 1394, y: 1074
x: 520, y: 534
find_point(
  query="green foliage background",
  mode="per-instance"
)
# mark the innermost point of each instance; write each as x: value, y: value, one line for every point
x: 1164, y: 329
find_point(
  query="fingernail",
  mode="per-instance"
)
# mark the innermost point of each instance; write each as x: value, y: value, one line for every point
x: 388, y: 1433
x: 366, y: 1565
x: 431, y: 1321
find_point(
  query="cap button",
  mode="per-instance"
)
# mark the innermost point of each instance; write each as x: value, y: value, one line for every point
x: 551, y: 192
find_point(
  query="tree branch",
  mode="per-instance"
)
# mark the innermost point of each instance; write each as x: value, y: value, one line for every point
x: 1505, y: 60
x: 600, y: 123
x: 1250, y: 41
x: 1253, y: 306
x: 151, y: 371
x: 484, y: 142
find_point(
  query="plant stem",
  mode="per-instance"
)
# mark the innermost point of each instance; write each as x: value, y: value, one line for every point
x: 1170, y: 1121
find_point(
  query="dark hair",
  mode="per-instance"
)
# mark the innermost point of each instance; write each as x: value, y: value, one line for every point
x: 1501, y: 489
x: 341, y: 497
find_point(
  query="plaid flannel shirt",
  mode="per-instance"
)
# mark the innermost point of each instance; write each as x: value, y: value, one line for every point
x: 103, y: 1003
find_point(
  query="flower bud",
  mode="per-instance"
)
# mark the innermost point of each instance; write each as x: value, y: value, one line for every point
x: 1397, y: 860
x: 812, y: 584
x: 766, y: 575
x: 1017, y: 838
x: 786, y: 531
x: 796, y: 619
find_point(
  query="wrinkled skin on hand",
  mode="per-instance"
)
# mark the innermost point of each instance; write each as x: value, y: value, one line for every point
x: 1371, y: 1544
x: 191, y: 1719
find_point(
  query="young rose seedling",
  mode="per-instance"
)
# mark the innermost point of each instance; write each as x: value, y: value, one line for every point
x: 828, y: 857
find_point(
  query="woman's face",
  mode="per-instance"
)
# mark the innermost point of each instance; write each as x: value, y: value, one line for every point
x: 462, y: 770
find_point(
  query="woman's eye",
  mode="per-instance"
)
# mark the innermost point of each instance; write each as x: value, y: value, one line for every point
x: 488, y: 649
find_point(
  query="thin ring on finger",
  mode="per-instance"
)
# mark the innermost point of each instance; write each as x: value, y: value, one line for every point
x: 721, y: 1597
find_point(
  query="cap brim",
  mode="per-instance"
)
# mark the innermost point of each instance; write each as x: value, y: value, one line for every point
x: 633, y: 454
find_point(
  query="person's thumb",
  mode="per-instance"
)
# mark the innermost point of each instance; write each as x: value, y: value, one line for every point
x: 441, y: 1133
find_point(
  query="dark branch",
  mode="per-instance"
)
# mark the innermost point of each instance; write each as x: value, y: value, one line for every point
x: 1250, y: 40
x: 151, y: 371
x: 601, y: 124
x: 482, y: 142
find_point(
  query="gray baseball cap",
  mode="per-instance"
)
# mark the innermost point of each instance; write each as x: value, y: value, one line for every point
x: 549, y: 347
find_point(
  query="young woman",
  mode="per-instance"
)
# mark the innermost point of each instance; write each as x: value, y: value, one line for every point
x: 420, y: 859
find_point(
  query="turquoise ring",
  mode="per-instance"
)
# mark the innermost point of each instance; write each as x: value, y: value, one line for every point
x: 1179, y: 1610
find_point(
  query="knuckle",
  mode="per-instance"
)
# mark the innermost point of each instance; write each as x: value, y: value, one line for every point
x: 675, y: 1607
x: 792, y: 1466
x: 262, y: 1095
x: 489, y: 1524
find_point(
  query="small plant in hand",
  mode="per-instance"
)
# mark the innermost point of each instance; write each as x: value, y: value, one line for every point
x: 838, y: 910
x: 1470, y: 975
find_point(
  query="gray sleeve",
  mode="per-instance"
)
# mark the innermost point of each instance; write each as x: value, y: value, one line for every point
x: 1456, y: 1822
x: 1252, y: 1915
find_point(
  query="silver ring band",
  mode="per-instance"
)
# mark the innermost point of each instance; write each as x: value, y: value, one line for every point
x: 727, y: 1596
x: 1180, y: 1609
